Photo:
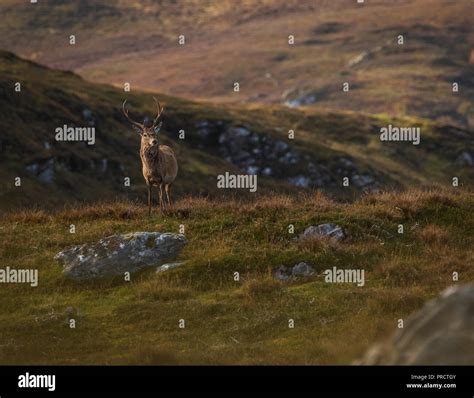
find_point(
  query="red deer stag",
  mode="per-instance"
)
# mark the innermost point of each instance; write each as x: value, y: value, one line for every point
x: 159, y: 164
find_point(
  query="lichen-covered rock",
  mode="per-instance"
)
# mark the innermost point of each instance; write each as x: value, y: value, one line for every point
x: 117, y: 254
x: 441, y: 333
x: 300, y: 270
x: 283, y: 273
x: 331, y: 231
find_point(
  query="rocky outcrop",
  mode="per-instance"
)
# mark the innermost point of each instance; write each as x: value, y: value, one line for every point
x: 46, y: 170
x: 441, y: 333
x: 264, y: 154
x: 252, y: 151
x: 117, y: 254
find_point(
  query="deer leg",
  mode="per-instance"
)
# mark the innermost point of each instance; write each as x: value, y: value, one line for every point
x: 171, y: 197
x: 168, y: 194
x: 161, y: 197
x: 158, y: 201
x: 149, y: 198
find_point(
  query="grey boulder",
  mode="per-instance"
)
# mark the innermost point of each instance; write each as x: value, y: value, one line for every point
x: 117, y: 254
x: 441, y: 333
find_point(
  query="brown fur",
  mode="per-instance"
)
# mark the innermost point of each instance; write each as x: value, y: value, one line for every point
x: 159, y: 164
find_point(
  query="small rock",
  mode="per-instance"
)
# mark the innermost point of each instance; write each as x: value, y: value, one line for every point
x: 289, y: 158
x: 300, y: 270
x: 363, y: 180
x: 281, y: 146
x: 332, y: 231
x: 33, y: 168
x: 239, y: 131
x: 346, y: 162
x: 166, y: 267
x: 267, y: 171
x: 282, y: 273
x: 71, y: 312
x: 252, y: 170
x: 306, y: 99
x: 358, y: 59
x: 300, y: 181
x: 465, y: 159
x: 88, y: 116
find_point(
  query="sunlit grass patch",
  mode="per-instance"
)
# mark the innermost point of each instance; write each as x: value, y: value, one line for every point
x: 234, y: 310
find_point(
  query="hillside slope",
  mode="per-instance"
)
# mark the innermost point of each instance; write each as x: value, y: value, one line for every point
x: 229, y: 321
x: 252, y: 139
x: 336, y: 41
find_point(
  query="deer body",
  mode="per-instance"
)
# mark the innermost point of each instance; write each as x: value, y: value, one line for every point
x: 159, y: 164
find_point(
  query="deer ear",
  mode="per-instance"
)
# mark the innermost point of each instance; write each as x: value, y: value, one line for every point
x: 137, y: 130
x: 157, y: 128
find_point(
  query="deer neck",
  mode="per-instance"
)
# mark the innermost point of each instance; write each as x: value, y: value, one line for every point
x: 148, y: 153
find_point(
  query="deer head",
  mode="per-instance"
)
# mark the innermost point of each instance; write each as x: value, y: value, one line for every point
x: 149, y: 134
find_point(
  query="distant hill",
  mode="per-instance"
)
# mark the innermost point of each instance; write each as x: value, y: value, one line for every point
x: 327, y: 147
x: 336, y: 41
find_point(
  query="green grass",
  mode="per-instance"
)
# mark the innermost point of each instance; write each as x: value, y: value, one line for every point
x: 229, y: 322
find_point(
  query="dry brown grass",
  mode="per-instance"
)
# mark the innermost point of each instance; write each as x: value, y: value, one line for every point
x: 258, y: 286
x: 152, y: 356
x: 400, y: 272
x: 317, y: 243
x: 411, y: 201
x: 163, y: 290
x: 434, y: 234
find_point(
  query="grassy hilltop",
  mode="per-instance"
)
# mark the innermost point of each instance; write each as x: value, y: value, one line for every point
x: 231, y: 322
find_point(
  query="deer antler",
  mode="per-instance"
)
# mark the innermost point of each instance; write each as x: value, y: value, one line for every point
x: 159, y: 109
x: 125, y: 112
